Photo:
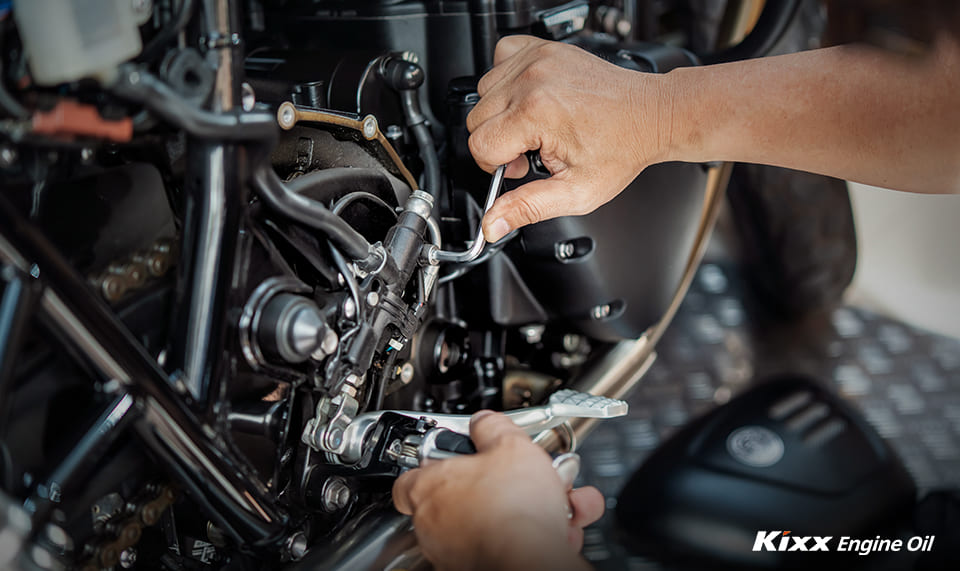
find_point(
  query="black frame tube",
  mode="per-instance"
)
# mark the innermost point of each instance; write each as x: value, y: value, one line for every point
x: 222, y: 484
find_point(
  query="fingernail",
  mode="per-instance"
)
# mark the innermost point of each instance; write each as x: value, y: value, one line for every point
x: 480, y: 414
x: 497, y: 230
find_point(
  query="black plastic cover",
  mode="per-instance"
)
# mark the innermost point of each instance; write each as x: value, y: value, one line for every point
x: 787, y: 455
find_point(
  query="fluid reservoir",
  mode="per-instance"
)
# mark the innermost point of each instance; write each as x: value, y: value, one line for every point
x: 67, y: 41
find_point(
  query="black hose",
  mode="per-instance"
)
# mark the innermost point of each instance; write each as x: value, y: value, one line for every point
x: 309, y: 212
x: 428, y: 154
x: 144, y: 88
x: 140, y: 86
x: 770, y: 27
x: 340, y: 181
x: 169, y: 32
x: 406, y: 78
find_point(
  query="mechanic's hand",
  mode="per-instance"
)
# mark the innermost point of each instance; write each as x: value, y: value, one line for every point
x: 501, y: 508
x: 596, y: 126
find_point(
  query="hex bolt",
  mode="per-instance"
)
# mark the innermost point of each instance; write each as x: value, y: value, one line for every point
x: 296, y: 546
x: 335, y: 494
x: 394, y: 132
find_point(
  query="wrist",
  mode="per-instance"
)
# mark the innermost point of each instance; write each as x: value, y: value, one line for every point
x: 683, y: 112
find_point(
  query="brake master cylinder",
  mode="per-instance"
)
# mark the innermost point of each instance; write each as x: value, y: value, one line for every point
x: 67, y: 41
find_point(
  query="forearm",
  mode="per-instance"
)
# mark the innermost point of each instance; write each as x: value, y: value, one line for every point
x: 849, y: 112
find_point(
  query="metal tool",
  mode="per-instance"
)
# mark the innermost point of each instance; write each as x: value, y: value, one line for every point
x: 562, y: 406
x: 441, y: 256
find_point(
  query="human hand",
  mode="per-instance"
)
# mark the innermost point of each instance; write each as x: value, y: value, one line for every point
x: 504, y: 507
x: 596, y: 126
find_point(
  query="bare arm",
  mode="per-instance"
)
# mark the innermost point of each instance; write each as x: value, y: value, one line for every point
x: 850, y: 112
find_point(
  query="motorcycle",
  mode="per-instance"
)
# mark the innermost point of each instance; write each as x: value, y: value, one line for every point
x: 244, y: 284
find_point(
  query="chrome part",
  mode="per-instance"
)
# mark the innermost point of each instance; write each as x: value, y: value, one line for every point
x: 296, y: 546
x: 326, y: 431
x: 335, y: 494
x: 563, y: 406
x: 128, y: 558
x: 406, y: 373
x: 441, y: 256
x: 292, y: 327
x: 368, y: 127
x: 568, y: 468
x: 420, y: 203
x: 373, y: 298
x: 248, y: 97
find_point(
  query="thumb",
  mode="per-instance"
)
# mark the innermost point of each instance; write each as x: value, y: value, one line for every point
x: 528, y: 204
x: 488, y: 429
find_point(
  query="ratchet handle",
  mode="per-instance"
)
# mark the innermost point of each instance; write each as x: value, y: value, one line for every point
x: 449, y: 441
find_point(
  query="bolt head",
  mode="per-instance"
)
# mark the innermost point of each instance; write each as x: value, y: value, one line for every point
x: 349, y: 308
x: 335, y: 438
x: 406, y: 373
x: 373, y: 298
x: 369, y: 127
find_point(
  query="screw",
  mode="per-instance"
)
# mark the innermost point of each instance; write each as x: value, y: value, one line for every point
x: 373, y: 298
x: 349, y: 308
x: 128, y: 558
x: 532, y: 333
x: 369, y: 127
x: 8, y: 157
x: 336, y: 494
x: 394, y: 132
x: 601, y: 311
x: 406, y: 373
x: 565, y: 250
x: 248, y: 97
x: 288, y: 115
x: 570, y: 342
x: 296, y: 546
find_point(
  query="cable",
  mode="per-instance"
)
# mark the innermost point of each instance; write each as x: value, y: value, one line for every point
x: 277, y: 196
x: 349, y: 199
